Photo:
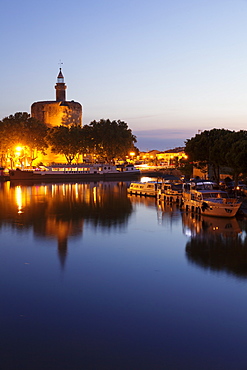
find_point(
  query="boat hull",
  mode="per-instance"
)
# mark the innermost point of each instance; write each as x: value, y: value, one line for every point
x: 170, y: 192
x: 211, y: 208
x: 38, y: 176
x: 170, y: 197
x: 205, y: 198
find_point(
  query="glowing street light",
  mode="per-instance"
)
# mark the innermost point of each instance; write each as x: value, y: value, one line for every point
x: 18, y: 150
x: 132, y: 154
x: 19, y: 155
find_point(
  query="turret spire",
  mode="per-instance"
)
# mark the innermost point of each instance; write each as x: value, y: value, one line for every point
x: 60, y: 87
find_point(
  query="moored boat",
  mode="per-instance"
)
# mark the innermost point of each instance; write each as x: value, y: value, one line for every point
x: 201, y: 197
x: 148, y: 188
x: 73, y: 172
x: 3, y: 174
x: 171, y: 192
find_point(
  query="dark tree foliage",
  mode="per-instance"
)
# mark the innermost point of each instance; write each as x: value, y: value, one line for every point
x: 219, y: 148
x: 87, y: 142
x: 111, y: 139
x: 206, y: 149
x: 66, y: 141
x: 236, y: 153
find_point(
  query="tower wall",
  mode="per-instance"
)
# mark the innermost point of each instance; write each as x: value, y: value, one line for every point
x: 56, y: 113
x: 60, y: 92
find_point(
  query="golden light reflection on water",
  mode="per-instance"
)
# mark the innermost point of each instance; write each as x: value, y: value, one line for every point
x: 58, y: 211
x: 145, y: 179
x: 64, y: 189
x: 18, y: 197
x: 76, y: 191
x: 94, y: 195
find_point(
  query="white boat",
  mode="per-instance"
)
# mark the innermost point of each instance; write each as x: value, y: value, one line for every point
x: 171, y: 192
x: 72, y: 172
x: 149, y: 188
x: 201, y: 197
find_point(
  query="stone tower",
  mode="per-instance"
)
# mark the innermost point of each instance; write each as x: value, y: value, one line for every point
x: 60, y: 87
x: 60, y: 111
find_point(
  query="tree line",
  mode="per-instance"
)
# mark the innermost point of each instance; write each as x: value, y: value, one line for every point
x: 107, y: 140
x: 218, y: 149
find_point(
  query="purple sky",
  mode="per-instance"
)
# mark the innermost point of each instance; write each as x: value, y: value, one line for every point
x: 167, y: 68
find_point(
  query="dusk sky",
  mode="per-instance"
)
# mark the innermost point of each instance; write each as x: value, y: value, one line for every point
x: 166, y: 68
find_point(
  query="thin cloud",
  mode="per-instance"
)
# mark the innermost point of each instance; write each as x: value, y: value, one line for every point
x: 164, y: 133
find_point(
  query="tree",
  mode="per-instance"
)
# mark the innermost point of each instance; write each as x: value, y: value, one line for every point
x: 220, y: 148
x: 87, y: 142
x: 207, y: 149
x: 25, y: 131
x: 66, y: 141
x: 236, y: 153
x: 111, y: 139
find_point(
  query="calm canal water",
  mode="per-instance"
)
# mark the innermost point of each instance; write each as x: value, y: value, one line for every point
x: 94, y: 279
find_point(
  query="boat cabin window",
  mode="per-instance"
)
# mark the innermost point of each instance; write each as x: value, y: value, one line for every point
x: 214, y: 195
x: 209, y: 195
x: 187, y: 187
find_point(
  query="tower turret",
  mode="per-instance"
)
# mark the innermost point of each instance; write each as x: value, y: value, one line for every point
x: 60, y: 87
x: 60, y: 111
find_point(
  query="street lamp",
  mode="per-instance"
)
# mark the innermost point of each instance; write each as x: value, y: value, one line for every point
x: 18, y: 150
x: 132, y: 154
x: 19, y: 154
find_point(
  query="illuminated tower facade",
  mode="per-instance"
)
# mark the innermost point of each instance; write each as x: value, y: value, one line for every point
x: 60, y: 111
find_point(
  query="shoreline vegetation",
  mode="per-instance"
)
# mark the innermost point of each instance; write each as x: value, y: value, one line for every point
x: 28, y: 143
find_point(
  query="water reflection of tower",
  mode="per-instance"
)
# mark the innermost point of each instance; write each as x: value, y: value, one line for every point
x: 58, y: 211
x: 62, y: 230
x: 47, y: 208
x: 63, y: 217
